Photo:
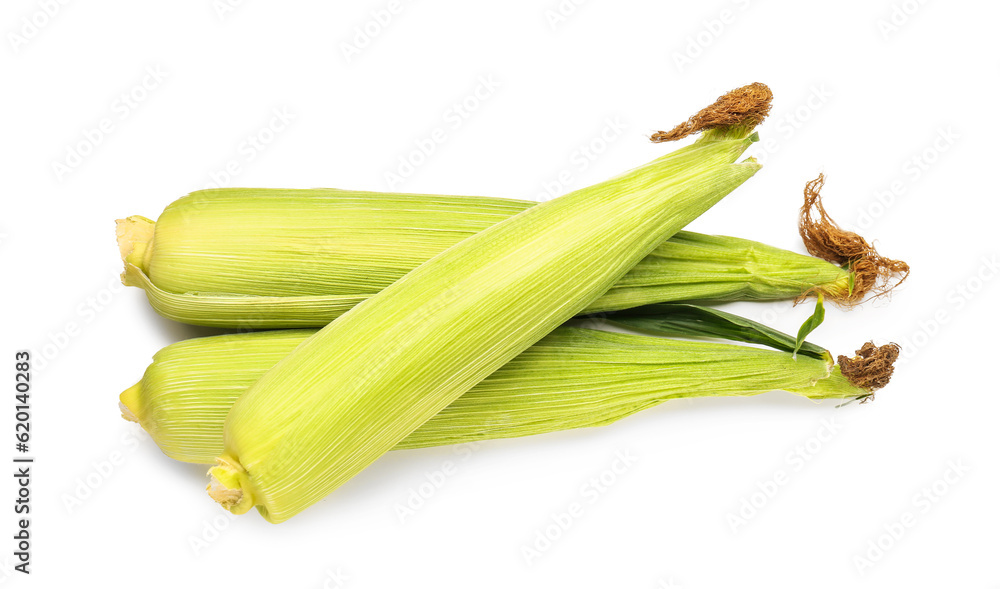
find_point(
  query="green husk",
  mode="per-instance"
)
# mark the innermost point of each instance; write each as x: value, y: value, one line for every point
x: 679, y: 319
x: 574, y: 377
x: 266, y: 258
x: 359, y: 386
x: 221, y: 257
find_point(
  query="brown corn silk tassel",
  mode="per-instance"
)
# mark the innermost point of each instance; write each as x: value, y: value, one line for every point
x: 871, y: 367
x: 747, y: 105
x: 874, y: 275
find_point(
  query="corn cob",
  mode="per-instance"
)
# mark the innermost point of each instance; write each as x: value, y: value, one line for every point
x: 574, y: 377
x: 218, y: 258
x: 267, y: 258
x: 356, y: 388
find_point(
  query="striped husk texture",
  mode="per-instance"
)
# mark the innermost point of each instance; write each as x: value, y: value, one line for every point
x: 360, y: 385
x: 574, y: 377
x: 279, y: 258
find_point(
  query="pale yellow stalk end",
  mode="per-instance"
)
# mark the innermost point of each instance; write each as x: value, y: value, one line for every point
x: 135, y: 236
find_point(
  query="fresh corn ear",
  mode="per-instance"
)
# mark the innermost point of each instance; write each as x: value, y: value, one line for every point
x: 258, y: 258
x: 572, y: 378
x: 266, y: 258
x: 359, y: 386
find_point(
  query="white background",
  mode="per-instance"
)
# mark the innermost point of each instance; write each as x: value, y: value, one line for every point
x: 861, y: 89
